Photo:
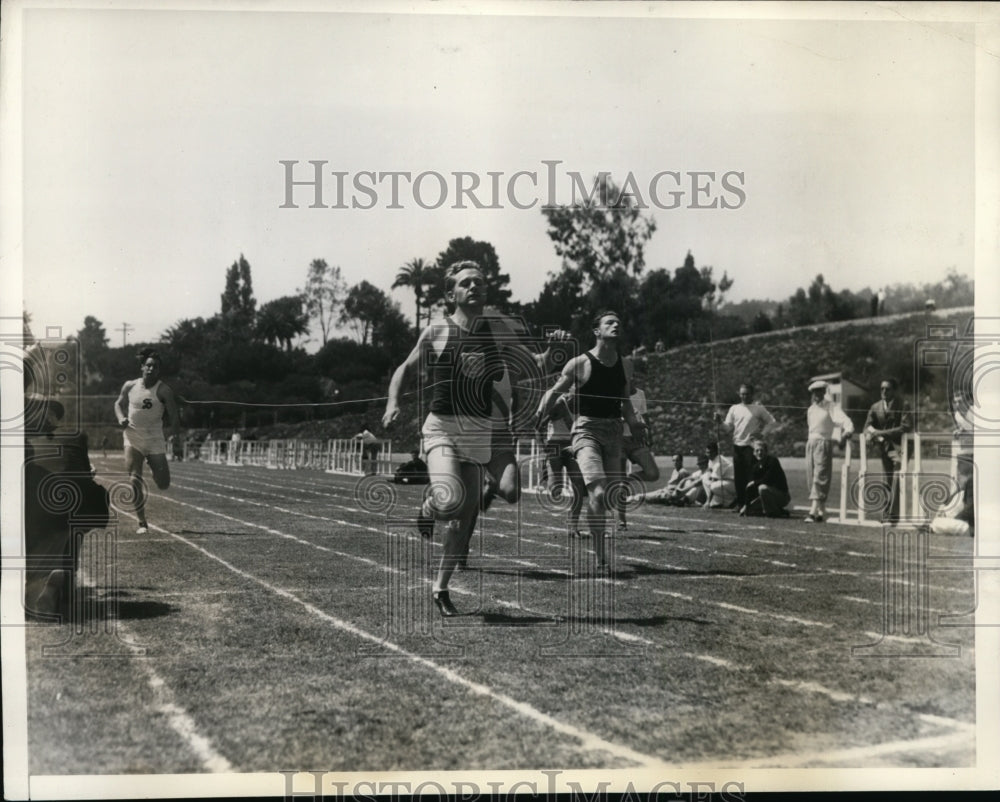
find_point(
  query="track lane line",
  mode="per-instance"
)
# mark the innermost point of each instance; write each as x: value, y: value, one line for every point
x: 588, y: 741
x: 848, y: 757
x: 164, y: 701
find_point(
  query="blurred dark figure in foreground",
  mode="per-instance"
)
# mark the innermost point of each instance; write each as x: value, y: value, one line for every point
x: 60, y: 498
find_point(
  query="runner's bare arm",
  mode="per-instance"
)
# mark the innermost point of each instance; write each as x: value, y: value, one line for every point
x: 166, y: 395
x: 401, y: 374
x: 575, y: 372
x: 628, y: 411
x: 121, y: 404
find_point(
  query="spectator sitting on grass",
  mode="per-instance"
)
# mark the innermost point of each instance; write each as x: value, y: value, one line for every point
x: 685, y: 491
x: 962, y: 523
x: 720, y: 488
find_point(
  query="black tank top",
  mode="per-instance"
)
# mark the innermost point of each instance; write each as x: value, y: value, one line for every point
x: 602, y: 394
x: 462, y: 375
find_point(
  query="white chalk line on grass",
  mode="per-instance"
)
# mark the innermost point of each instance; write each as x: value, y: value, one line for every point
x: 845, y: 533
x: 532, y: 541
x: 729, y: 524
x: 615, y: 633
x: 746, y: 610
x: 715, y: 661
x: 327, y: 519
x: 815, y: 687
x: 959, y: 731
x: 240, y: 500
x: 277, y: 533
x: 854, y: 757
x: 333, y: 499
x: 804, y: 686
x: 833, y: 534
x: 513, y: 560
x: 798, y: 759
x: 873, y: 636
x: 588, y: 741
x: 525, y: 563
x: 529, y: 541
x: 164, y: 702
x: 333, y: 502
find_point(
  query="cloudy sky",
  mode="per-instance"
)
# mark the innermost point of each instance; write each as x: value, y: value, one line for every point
x: 153, y: 142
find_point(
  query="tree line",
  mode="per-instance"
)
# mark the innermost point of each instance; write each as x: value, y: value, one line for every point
x: 247, y: 352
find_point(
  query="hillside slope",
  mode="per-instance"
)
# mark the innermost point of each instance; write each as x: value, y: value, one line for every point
x: 685, y: 384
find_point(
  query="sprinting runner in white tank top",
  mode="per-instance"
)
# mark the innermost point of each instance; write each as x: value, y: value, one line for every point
x: 139, y: 409
x: 144, y: 432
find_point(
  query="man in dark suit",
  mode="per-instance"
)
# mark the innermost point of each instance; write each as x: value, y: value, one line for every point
x: 888, y: 421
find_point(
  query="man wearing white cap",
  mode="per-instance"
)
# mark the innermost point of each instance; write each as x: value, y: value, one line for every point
x: 822, y: 417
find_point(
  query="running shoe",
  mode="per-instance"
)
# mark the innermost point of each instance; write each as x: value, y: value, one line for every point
x: 443, y: 602
x: 142, y: 530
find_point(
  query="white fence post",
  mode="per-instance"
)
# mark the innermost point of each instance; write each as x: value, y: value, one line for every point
x: 845, y: 480
x: 904, y: 474
x: 862, y: 478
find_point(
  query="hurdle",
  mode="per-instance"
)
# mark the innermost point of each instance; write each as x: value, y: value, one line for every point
x: 211, y: 451
x: 310, y: 454
x: 845, y: 480
x: 383, y: 460
x: 908, y: 478
x: 347, y: 456
x: 277, y: 454
x: 344, y: 456
x: 531, y: 453
x: 255, y: 453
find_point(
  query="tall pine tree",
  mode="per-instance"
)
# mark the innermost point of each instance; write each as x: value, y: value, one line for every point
x: 239, y: 307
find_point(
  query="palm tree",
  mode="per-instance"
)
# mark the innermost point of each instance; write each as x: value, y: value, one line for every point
x: 416, y: 274
x: 281, y: 320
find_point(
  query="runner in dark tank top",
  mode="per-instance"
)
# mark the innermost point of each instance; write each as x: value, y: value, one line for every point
x: 602, y: 380
x: 604, y: 391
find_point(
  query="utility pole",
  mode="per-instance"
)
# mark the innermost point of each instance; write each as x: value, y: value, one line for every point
x: 125, y: 329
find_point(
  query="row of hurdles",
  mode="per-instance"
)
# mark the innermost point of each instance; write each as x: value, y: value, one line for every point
x: 921, y: 494
x: 346, y: 456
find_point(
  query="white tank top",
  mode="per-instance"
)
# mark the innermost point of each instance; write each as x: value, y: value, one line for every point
x: 145, y: 410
